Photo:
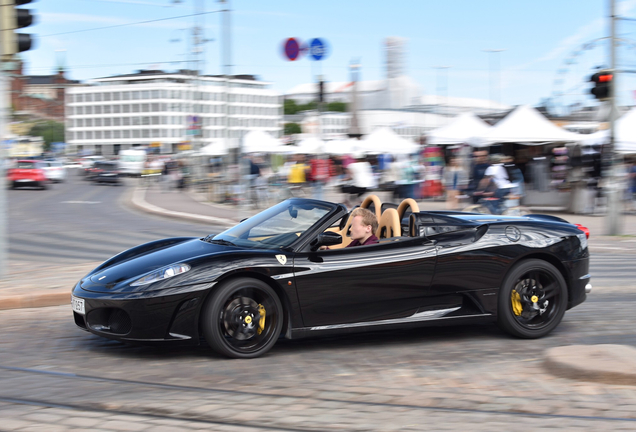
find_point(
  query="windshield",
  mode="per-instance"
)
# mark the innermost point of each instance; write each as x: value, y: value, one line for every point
x: 276, y: 227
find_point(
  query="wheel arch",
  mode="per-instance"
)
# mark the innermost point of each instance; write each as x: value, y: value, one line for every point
x: 280, y: 292
x: 550, y: 259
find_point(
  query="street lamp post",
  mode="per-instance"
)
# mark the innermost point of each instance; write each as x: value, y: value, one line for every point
x: 441, y: 88
x: 614, y: 190
x: 491, y: 69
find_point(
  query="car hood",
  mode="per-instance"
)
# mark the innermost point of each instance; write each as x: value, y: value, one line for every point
x: 119, y: 276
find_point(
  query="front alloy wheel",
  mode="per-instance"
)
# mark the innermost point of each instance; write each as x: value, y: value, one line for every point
x: 242, y: 319
x: 532, y: 299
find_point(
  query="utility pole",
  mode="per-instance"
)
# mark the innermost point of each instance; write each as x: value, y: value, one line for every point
x: 492, y: 52
x: 4, y: 210
x: 354, y: 127
x: 614, y: 217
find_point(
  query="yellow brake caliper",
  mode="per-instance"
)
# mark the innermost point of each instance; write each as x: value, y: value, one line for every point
x: 517, y: 308
x: 261, y: 322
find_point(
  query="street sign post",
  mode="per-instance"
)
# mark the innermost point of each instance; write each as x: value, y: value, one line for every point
x: 291, y: 49
x: 317, y: 49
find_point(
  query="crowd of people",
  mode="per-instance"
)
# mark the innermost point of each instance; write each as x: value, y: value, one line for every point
x: 461, y: 180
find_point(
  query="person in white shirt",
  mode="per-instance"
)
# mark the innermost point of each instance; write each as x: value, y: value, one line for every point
x: 361, y: 179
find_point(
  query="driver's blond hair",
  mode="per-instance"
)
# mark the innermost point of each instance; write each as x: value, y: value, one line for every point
x: 368, y: 218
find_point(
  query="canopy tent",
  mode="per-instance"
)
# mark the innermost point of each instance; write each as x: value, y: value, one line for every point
x: 625, y: 134
x: 309, y: 145
x: 343, y: 147
x: 525, y: 125
x: 218, y: 148
x: 462, y: 129
x: 257, y: 141
x: 385, y: 140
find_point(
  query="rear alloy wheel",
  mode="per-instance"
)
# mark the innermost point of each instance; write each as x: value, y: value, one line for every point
x: 532, y: 299
x: 242, y: 319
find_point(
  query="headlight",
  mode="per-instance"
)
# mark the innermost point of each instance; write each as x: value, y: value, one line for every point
x: 161, y: 274
x: 583, y: 240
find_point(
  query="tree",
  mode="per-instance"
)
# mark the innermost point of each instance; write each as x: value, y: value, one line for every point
x: 50, y: 131
x: 291, y: 129
x: 309, y: 106
x: 290, y: 107
x: 337, y: 106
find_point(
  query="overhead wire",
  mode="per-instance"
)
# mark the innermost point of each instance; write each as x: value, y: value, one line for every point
x: 129, y: 24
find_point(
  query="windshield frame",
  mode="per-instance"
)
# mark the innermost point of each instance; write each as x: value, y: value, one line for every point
x: 259, y: 218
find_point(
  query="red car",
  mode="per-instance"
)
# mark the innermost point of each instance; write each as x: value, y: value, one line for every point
x: 27, y: 173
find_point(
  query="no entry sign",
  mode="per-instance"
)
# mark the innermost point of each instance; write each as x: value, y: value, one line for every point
x: 292, y: 49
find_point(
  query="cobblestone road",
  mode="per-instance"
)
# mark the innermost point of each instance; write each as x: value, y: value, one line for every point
x: 437, y: 378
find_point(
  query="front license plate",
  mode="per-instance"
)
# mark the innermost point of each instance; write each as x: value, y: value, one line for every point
x: 78, y: 305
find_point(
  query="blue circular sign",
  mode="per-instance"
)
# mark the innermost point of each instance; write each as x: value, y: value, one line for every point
x: 292, y: 49
x: 317, y: 49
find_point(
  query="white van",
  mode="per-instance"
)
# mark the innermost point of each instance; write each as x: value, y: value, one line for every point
x: 132, y: 162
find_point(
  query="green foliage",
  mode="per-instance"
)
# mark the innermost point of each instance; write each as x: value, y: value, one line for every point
x: 291, y: 128
x: 50, y: 131
x: 337, y: 106
x: 290, y: 106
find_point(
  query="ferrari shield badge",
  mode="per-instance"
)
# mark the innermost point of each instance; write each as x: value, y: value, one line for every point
x: 281, y: 259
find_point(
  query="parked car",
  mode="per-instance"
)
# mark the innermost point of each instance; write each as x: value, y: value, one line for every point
x: 268, y: 277
x: 55, y: 171
x: 27, y: 173
x: 105, y: 172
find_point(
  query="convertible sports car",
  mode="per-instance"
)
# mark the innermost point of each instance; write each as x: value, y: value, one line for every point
x: 267, y: 277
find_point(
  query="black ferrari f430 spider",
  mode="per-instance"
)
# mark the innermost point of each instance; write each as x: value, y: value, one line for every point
x: 268, y: 277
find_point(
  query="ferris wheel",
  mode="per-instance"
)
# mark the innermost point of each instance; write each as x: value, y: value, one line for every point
x: 571, y: 85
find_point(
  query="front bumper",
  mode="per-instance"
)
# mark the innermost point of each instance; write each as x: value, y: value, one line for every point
x: 141, y: 317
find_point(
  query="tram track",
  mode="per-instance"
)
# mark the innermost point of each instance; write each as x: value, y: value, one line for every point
x: 209, y: 418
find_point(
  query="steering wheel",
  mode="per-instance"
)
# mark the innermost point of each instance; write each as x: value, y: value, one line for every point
x: 377, y: 204
x: 408, y: 202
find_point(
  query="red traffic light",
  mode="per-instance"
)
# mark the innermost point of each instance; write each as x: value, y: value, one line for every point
x: 605, y: 78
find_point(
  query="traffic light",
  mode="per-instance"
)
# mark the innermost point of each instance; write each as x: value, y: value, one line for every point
x: 11, y: 19
x: 602, y: 82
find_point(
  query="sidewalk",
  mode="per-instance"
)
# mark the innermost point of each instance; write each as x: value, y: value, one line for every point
x: 26, y: 287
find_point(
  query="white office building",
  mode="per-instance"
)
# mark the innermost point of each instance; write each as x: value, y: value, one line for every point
x: 168, y: 111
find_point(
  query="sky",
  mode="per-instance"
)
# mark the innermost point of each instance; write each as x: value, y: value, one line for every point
x: 541, y: 40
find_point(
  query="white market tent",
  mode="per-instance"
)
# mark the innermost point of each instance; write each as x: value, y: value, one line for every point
x: 257, y: 141
x: 309, y: 146
x: 218, y: 148
x: 525, y: 125
x: 462, y: 129
x: 384, y: 140
x: 625, y: 139
x: 343, y: 147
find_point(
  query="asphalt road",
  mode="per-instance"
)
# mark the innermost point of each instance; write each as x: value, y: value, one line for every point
x: 78, y: 221
x: 56, y: 377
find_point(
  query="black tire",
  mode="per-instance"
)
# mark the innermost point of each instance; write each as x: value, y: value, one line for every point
x: 231, y: 319
x: 533, y: 318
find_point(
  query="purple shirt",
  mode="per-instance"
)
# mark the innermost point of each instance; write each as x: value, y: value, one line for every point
x: 371, y: 240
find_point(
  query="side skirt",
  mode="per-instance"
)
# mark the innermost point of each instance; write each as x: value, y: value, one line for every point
x: 436, y: 317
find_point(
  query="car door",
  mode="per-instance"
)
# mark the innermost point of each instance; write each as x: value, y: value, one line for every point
x: 364, y: 283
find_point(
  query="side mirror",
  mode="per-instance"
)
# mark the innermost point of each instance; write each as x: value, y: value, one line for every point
x: 328, y: 238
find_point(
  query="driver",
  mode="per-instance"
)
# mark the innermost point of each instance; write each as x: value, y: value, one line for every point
x: 363, y: 225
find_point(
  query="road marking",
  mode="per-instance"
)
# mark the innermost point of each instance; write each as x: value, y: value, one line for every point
x: 81, y: 202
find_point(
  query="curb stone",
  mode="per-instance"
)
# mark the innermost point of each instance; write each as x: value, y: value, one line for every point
x: 604, y: 363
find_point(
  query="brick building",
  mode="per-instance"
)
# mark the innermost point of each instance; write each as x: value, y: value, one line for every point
x: 40, y: 96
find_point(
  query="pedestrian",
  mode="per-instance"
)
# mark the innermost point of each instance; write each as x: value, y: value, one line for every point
x: 480, y: 165
x: 360, y: 179
x: 455, y: 182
